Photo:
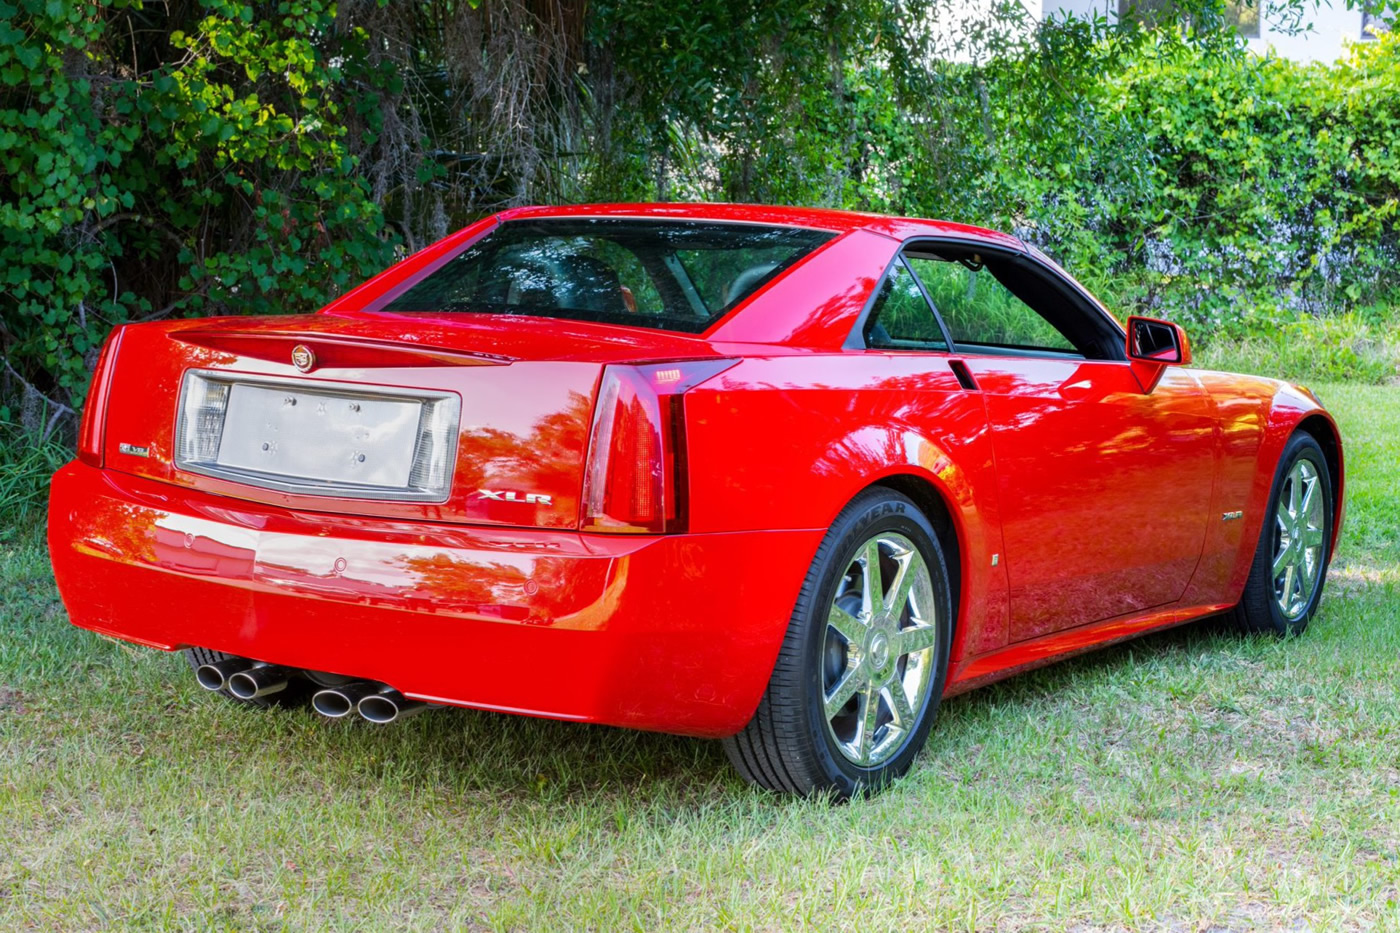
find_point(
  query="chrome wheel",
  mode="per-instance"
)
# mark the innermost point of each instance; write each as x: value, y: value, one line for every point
x: 879, y: 653
x: 1299, y: 539
x: 856, y: 685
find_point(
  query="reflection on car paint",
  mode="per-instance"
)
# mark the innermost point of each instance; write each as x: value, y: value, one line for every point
x: 1083, y: 509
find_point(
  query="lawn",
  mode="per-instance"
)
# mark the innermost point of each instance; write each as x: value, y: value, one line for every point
x: 1187, y: 781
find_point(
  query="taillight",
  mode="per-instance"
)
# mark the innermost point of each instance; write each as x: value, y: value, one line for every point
x: 635, y: 480
x: 95, y: 407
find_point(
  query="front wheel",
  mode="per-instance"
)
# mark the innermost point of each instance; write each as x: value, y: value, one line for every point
x: 1291, y: 558
x: 863, y: 664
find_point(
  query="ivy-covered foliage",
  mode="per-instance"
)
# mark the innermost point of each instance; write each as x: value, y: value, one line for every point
x: 1259, y: 189
x: 1175, y: 172
x: 222, y: 156
x: 200, y: 166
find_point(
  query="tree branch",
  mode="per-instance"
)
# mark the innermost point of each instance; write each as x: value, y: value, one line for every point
x: 29, y: 386
x: 136, y: 218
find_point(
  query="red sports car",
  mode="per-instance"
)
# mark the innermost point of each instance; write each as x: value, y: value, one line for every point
x: 783, y: 477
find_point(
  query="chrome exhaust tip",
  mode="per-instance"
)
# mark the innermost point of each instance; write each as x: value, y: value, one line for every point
x: 388, y: 705
x: 338, y: 702
x: 259, y: 680
x: 215, y: 675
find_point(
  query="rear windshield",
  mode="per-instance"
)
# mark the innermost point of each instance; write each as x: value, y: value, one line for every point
x: 667, y: 274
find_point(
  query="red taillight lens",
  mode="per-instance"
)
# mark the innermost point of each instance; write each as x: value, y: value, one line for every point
x: 635, y: 480
x: 95, y: 407
x: 625, y: 483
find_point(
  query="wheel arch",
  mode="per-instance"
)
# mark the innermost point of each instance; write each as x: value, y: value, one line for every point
x: 954, y: 486
x: 1257, y: 608
x: 1324, y: 430
x: 1287, y: 413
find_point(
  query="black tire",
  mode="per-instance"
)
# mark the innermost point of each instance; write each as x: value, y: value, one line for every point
x: 790, y: 744
x: 297, y: 692
x: 1260, y: 610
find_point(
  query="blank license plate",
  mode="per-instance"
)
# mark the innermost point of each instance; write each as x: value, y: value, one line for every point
x: 311, y: 435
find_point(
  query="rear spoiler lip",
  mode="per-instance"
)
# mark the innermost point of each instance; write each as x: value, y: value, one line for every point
x: 334, y: 350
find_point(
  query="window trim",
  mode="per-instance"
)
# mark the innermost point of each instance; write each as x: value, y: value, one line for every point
x: 1002, y: 349
x: 1095, y: 313
x: 928, y: 300
x: 875, y: 299
x: 855, y: 340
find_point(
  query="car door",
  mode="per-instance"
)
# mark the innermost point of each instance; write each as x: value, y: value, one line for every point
x: 1104, y: 487
x: 924, y: 393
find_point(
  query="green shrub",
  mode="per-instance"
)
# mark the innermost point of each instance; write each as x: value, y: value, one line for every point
x: 1172, y: 171
x: 1202, y: 185
x: 190, y: 159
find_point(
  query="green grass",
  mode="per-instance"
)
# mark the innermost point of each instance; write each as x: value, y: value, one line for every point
x: 1192, y: 780
x: 1308, y: 348
x: 26, y: 463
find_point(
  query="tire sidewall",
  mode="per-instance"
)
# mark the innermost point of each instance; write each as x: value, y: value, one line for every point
x: 880, y: 513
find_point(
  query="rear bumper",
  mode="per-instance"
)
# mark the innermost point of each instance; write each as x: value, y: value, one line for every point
x: 671, y: 633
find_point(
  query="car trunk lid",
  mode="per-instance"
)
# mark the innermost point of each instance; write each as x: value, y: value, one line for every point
x: 346, y: 413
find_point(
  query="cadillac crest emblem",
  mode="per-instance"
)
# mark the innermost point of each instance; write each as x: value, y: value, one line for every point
x: 302, y: 358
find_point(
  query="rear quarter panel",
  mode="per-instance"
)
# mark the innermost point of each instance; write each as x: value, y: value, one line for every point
x: 785, y: 442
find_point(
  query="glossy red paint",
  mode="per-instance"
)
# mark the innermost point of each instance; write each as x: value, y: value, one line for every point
x: 547, y: 623
x: 1045, y: 473
x: 1083, y: 457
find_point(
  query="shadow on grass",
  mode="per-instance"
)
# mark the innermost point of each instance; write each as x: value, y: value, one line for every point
x: 513, y: 758
x: 1192, y: 640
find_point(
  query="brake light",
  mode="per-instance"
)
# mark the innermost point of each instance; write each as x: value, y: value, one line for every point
x: 635, y: 480
x: 95, y: 407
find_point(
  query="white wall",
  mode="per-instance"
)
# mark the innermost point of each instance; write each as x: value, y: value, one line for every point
x: 1325, y: 42
x: 1085, y: 8
x: 1331, y: 28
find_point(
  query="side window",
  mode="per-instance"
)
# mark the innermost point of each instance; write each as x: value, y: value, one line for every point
x: 979, y: 309
x: 902, y: 318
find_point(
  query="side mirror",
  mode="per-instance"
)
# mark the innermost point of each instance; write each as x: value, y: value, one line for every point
x: 1154, y: 341
x: 1154, y: 345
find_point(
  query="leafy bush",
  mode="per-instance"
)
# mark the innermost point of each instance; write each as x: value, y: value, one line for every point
x: 237, y: 157
x: 1180, y: 181
x: 165, y: 162
x: 1173, y: 172
x: 1268, y: 179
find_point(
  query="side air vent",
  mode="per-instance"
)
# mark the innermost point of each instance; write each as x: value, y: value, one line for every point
x: 965, y: 379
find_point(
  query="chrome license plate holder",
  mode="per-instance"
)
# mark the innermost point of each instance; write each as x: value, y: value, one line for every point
x: 320, y: 437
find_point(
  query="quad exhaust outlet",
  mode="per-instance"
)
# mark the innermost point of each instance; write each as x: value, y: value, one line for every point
x: 214, y: 676
x: 388, y: 705
x: 259, y: 680
x: 339, y: 702
x: 378, y: 703
x: 248, y: 680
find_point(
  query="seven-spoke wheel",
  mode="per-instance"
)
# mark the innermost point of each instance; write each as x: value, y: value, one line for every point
x: 1300, y: 520
x: 1290, y: 562
x: 862, y: 666
x: 880, y: 649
